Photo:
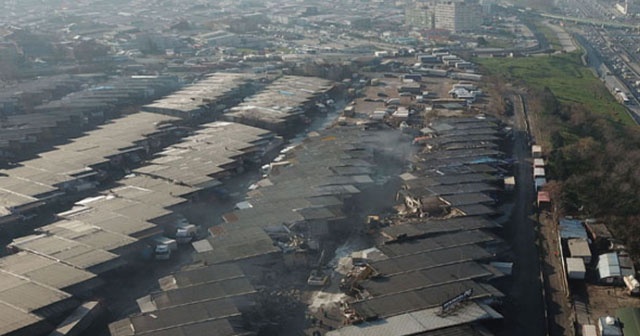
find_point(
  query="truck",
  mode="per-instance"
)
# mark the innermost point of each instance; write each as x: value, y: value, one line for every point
x: 182, y: 231
x: 162, y: 252
x: 186, y: 233
x: 163, y: 247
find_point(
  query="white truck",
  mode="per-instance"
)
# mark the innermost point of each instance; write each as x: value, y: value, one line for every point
x: 162, y: 252
x: 183, y: 231
x: 163, y: 247
x: 186, y: 233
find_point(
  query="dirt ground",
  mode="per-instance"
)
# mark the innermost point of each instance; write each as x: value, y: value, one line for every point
x: 604, y: 300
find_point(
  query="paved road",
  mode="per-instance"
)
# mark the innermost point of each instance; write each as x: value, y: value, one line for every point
x: 526, y: 314
x: 558, y: 311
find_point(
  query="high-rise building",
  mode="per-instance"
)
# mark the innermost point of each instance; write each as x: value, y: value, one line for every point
x: 452, y: 15
x: 458, y: 15
x: 487, y: 7
x: 420, y: 15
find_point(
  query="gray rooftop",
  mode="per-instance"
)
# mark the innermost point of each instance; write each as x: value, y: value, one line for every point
x: 46, y: 271
x: 33, y: 178
x: 198, y: 159
x: 201, y: 292
x: 30, y: 296
x: 222, y: 328
x: 430, y: 259
x: 12, y: 319
x: 237, y: 244
x: 88, y: 234
x: 174, y: 317
x: 195, y: 99
x: 201, y: 275
x: 466, y: 199
x: 463, y: 188
x: 426, y: 322
x: 70, y: 252
x: 160, y: 186
x: 282, y: 100
x: 425, y: 278
x: 447, y: 240
x: 419, y: 228
x: 395, y: 304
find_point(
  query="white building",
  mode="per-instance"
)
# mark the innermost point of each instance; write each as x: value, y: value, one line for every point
x: 458, y: 15
x: 420, y: 15
x: 575, y: 268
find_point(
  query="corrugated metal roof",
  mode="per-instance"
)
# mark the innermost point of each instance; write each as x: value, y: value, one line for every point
x: 463, y: 188
x: 466, y: 199
x: 396, y: 304
x: 447, y: 240
x: 424, y: 227
x: 12, y: 319
x: 608, y: 265
x: 65, y: 250
x: 425, y: 278
x: 201, y: 275
x: 181, y: 316
x: 579, y: 248
x: 575, y: 265
x: 475, y: 210
x: 420, y: 322
x: 27, y: 295
x: 44, y: 270
x: 430, y: 259
x: 572, y: 228
x: 202, y: 292
x: 219, y: 327
x: 461, y: 330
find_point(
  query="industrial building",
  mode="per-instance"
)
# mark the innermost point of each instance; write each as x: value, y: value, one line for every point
x: 458, y: 15
x: 285, y: 105
x: 44, y: 113
x: 109, y: 230
x: 205, y: 98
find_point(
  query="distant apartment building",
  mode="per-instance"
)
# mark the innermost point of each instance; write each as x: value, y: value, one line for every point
x: 420, y: 15
x: 458, y: 15
x: 451, y: 15
x: 487, y: 7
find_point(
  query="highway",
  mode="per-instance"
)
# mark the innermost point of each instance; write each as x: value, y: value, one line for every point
x: 611, y: 43
x: 593, y: 22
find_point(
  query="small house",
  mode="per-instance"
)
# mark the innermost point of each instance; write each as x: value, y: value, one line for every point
x: 509, y: 183
x: 544, y: 200
x: 539, y: 182
x: 575, y: 268
x: 538, y: 172
x: 538, y: 163
x: 536, y: 151
x: 579, y: 248
x: 608, y: 268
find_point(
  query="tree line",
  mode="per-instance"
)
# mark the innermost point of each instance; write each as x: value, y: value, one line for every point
x: 594, y: 161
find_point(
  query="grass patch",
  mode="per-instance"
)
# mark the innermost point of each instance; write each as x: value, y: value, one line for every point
x: 565, y: 76
x: 503, y: 43
x: 550, y: 35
